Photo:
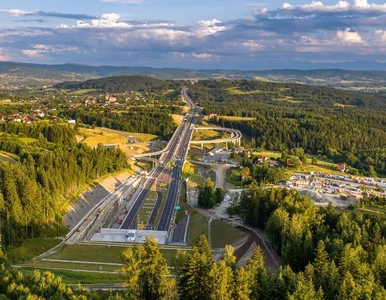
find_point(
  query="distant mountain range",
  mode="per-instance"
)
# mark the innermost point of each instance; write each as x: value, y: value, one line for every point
x: 15, y: 75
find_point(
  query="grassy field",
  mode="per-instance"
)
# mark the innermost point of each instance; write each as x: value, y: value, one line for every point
x: 74, y: 277
x: 27, y: 140
x: 190, y: 171
x: 97, y: 254
x: 268, y: 154
x: 321, y: 166
x: 81, y: 92
x: 237, y: 91
x: 379, y: 211
x: 148, y: 205
x: 232, y: 176
x: 93, y: 137
x: 198, y: 225
x: 164, y: 190
x: 70, y: 265
x: 30, y: 249
x: 233, y: 118
x: 205, y: 134
x: 90, y: 253
x: 223, y: 234
x: 8, y: 157
x: 177, y: 119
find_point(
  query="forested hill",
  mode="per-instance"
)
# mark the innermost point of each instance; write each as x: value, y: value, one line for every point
x: 335, y: 124
x: 242, y: 93
x: 120, y: 84
x: 15, y: 75
x: 35, y: 191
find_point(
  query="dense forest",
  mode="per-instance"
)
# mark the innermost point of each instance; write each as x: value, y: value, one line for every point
x: 138, y: 119
x: 34, y: 191
x: 335, y: 124
x: 329, y: 255
x: 121, y: 84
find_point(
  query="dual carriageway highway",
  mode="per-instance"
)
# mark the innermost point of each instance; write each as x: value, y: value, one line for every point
x: 174, y: 153
x: 176, y: 149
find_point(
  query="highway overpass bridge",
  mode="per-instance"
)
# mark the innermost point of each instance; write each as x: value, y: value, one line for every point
x: 234, y: 138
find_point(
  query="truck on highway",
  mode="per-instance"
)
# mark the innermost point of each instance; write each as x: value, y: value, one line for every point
x: 131, y: 235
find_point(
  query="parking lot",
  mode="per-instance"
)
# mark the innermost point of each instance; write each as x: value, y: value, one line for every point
x: 341, y: 190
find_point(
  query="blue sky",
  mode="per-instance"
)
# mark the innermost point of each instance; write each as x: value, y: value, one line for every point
x: 233, y: 34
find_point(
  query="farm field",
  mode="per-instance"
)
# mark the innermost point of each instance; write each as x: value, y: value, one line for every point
x: 93, y: 137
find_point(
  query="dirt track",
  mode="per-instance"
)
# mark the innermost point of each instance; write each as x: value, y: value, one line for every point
x: 270, y: 264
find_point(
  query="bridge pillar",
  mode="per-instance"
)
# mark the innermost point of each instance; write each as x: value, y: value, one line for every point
x: 202, y: 146
x: 226, y: 145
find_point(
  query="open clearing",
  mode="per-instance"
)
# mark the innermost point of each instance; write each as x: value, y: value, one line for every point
x: 320, y: 167
x: 237, y: 91
x: 27, y: 140
x: 235, y: 118
x: 74, y: 277
x: 372, y: 211
x: 31, y: 248
x: 223, y: 234
x: 104, y: 254
x: 70, y: 265
x: 93, y: 137
x: 206, y: 134
x: 177, y: 119
x: 82, y: 91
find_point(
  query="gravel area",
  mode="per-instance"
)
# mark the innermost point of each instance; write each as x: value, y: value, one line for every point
x: 91, y: 197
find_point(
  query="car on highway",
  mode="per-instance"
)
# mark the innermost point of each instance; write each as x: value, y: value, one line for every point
x: 131, y: 236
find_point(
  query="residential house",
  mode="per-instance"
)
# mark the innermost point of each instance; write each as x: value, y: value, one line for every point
x: 341, y: 167
x: 261, y: 159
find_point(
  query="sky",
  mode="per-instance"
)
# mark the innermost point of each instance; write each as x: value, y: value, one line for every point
x: 226, y: 34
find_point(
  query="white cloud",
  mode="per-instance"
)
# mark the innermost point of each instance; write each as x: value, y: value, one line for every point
x: 41, y: 49
x: 29, y: 52
x: 380, y: 36
x: 15, y: 12
x: 340, y: 6
x: 110, y: 20
x: 348, y: 36
x: 262, y: 11
x: 203, y: 55
x: 209, y: 27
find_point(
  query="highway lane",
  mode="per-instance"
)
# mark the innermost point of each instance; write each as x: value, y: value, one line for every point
x: 128, y: 222
x: 173, y: 192
x: 178, y: 138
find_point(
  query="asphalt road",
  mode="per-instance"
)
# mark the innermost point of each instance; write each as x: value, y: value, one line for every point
x: 179, y: 231
x: 177, y: 148
x: 128, y: 222
x: 172, y: 196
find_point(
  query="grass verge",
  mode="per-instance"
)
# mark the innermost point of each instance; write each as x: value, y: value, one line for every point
x: 70, y: 265
x: 223, y: 234
x: 74, y: 277
x: 198, y: 225
x: 30, y: 249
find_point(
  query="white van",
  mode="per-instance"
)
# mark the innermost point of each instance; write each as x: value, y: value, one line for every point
x: 131, y: 236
